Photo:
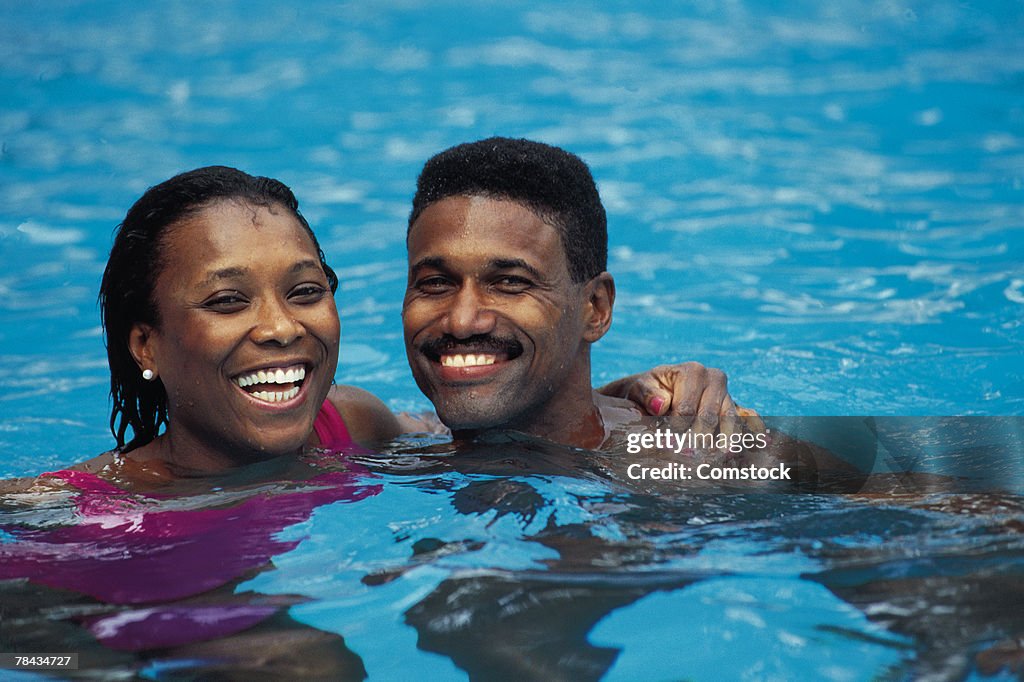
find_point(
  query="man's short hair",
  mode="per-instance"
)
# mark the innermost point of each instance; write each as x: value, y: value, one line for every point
x: 551, y: 182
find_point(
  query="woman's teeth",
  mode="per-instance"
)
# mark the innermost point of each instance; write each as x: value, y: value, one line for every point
x: 272, y: 376
x: 292, y: 375
x: 276, y: 396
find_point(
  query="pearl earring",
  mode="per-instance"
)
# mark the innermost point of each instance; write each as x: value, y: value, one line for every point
x: 148, y: 374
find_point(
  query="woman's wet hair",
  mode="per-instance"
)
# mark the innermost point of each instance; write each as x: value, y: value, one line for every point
x: 553, y: 183
x: 136, y: 259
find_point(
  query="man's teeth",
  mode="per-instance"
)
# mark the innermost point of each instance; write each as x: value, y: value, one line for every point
x: 276, y: 396
x: 467, y: 360
x: 271, y: 376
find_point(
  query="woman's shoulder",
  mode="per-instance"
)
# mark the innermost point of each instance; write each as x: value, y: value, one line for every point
x: 366, y: 417
x: 52, y: 480
x: 13, y: 486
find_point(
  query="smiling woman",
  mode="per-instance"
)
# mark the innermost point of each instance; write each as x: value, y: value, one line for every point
x: 222, y: 340
x: 245, y: 339
x: 222, y: 333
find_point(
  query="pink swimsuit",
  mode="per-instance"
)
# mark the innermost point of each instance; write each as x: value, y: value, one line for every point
x: 331, y: 429
x: 150, y: 550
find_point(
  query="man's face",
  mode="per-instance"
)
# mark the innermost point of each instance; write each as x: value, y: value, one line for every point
x: 495, y: 329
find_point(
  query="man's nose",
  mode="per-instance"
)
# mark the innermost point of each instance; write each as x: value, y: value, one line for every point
x: 276, y: 324
x: 468, y: 314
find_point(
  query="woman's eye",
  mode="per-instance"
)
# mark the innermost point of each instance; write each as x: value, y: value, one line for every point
x: 226, y: 302
x: 308, y: 293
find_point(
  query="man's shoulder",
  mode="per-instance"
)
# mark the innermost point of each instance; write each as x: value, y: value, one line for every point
x: 617, y: 412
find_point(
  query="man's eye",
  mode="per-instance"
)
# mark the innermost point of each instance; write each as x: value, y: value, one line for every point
x: 226, y: 302
x: 308, y: 293
x: 512, y: 284
x: 433, y: 285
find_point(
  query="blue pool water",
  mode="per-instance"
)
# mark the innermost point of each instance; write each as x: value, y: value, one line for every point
x: 825, y: 200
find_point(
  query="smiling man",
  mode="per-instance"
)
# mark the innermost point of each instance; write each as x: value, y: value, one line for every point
x: 507, y: 291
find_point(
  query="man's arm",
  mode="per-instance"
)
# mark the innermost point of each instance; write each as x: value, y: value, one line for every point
x: 425, y: 422
x: 688, y: 390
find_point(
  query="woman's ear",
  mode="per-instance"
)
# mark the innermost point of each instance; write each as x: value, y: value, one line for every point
x: 142, y: 345
x: 600, y: 295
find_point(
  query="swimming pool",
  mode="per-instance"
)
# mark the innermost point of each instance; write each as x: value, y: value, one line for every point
x: 823, y: 201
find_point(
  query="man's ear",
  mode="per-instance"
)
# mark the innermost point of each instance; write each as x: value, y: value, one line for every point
x: 600, y: 295
x: 142, y: 346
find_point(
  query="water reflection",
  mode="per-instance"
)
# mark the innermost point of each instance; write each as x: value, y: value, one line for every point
x: 133, y: 578
x: 511, y: 557
x: 544, y: 566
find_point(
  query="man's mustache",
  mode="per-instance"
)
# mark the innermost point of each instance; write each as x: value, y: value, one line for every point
x: 480, y: 343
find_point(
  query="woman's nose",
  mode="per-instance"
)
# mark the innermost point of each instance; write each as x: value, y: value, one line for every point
x: 276, y: 324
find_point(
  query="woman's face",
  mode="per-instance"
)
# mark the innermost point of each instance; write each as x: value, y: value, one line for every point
x: 247, y: 340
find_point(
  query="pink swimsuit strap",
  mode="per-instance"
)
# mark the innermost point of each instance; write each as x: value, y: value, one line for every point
x: 331, y: 429
x: 84, y: 481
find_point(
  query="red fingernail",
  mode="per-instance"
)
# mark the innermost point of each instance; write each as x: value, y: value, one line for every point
x: 657, y: 404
